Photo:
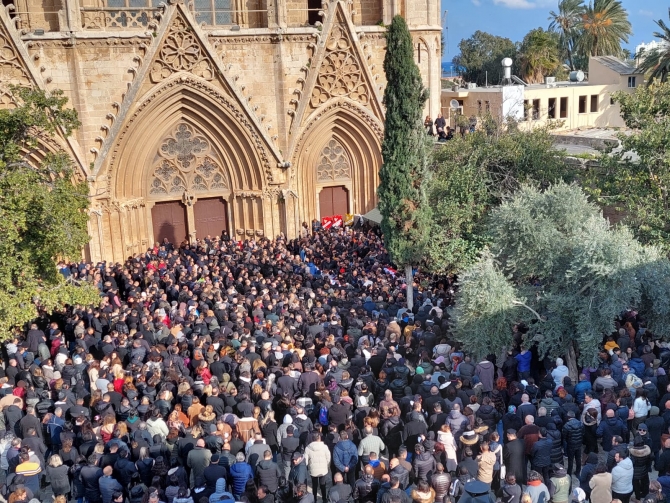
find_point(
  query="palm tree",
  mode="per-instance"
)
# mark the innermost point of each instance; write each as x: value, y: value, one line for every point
x: 605, y: 26
x: 657, y: 61
x: 566, y: 23
x: 539, y: 55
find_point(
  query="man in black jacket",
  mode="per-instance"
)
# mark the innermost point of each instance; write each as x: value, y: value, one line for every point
x: 288, y: 446
x: 366, y: 488
x: 90, y: 474
x: 400, y: 472
x: 395, y: 492
x: 216, y: 402
x: 663, y: 462
x: 573, y: 435
x: 509, y: 367
x: 31, y: 421
x: 124, y: 468
x: 414, y: 429
x: 268, y: 473
x: 340, y: 491
x: 308, y: 381
x: 514, y: 456
x: 423, y: 464
x: 438, y: 418
x: 540, y: 460
x: 339, y: 412
x: 287, y: 384
x: 13, y: 416
x: 36, y: 445
x: 212, y: 473
x: 298, y: 473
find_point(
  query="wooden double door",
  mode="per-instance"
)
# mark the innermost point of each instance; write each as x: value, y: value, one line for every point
x: 171, y: 219
x: 333, y: 201
x: 211, y: 217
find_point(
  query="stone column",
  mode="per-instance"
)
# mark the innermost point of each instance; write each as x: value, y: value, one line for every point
x: 281, y: 12
x: 241, y: 14
x: 391, y: 9
x: 189, y: 200
x: 72, y: 16
x: 273, y: 13
x: 292, y: 216
x: 149, y: 223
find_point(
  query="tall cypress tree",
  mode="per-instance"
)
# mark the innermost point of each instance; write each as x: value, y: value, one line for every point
x: 402, y: 197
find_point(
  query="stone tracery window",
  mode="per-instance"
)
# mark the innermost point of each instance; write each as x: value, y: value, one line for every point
x: 186, y: 162
x: 340, y: 74
x: 333, y: 163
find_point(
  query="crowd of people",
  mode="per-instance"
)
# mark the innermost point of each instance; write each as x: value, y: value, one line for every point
x: 292, y: 371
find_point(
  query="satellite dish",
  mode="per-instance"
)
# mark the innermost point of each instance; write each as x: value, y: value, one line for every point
x: 454, y: 104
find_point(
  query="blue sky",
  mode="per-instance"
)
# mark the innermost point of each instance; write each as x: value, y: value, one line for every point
x: 514, y: 18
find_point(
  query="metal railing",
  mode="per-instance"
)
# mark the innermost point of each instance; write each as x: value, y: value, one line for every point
x: 230, y: 18
x: 38, y: 21
x: 117, y: 18
x: 304, y: 16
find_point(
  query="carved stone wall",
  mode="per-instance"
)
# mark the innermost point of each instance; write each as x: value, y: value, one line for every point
x: 174, y: 109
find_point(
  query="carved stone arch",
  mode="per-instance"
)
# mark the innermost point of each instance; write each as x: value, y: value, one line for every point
x: 425, y: 47
x: 425, y: 60
x: 338, y: 70
x: 360, y: 135
x: 45, y: 145
x: 188, y: 101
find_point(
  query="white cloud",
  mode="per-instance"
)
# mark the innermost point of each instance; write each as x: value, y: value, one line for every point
x: 523, y: 4
x: 645, y: 13
x: 477, y: 2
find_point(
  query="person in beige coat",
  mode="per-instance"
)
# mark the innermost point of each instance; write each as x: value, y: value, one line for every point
x: 601, y: 485
x: 486, y: 460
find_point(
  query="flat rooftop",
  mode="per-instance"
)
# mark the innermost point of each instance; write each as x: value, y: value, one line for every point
x: 530, y: 86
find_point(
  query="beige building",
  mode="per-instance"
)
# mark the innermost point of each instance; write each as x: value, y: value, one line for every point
x: 569, y: 105
x: 203, y: 115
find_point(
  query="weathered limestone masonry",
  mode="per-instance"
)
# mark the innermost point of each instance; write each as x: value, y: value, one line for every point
x: 200, y: 115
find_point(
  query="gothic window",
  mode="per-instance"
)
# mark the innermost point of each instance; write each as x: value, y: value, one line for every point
x: 186, y: 162
x: 333, y: 163
x: 213, y: 12
x: 313, y: 8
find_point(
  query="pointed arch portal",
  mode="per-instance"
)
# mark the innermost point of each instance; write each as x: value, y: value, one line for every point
x: 186, y: 165
x: 340, y: 152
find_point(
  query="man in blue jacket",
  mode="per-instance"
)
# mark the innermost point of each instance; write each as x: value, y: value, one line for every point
x: 240, y: 472
x: 108, y: 485
x: 608, y: 428
x: 581, y: 388
x: 523, y: 366
x: 345, y: 457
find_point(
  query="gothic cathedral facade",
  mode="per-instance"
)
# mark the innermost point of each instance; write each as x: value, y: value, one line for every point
x: 251, y: 116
